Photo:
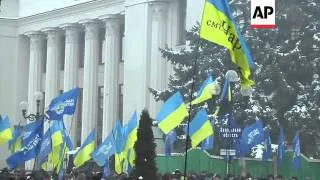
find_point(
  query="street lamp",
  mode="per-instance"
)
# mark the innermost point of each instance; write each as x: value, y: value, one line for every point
x: 246, y: 91
x: 24, y: 106
x: 232, y: 76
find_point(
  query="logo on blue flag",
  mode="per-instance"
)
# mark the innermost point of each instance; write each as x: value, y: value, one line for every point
x: 63, y: 104
x: 106, y: 149
x: 251, y: 136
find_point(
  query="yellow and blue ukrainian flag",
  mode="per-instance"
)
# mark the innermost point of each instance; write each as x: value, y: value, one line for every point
x: 172, y: 113
x: 130, y: 131
x: 130, y: 136
x: 218, y: 26
x: 15, y: 143
x: 200, y: 128
x: 5, y: 130
x: 83, y: 155
x: 56, y: 141
x: 205, y: 91
x: 119, y: 137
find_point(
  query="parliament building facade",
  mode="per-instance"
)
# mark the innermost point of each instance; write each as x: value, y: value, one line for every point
x: 107, y: 48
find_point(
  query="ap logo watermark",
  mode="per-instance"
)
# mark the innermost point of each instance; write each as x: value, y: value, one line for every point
x: 263, y: 14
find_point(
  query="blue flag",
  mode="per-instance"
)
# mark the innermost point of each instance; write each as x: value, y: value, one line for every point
x: 296, y: 161
x: 224, y: 93
x: 106, y: 149
x: 251, y: 136
x: 63, y: 104
x: 281, y: 147
x: 267, y: 151
x: 118, y: 135
x: 45, y: 148
x: 31, y: 139
x: 170, y: 139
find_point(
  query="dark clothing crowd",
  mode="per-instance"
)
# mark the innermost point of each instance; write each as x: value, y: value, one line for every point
x: 5, y: 174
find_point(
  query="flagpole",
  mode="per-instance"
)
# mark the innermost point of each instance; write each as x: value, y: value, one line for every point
x: 190, y: 109
x: 64, y: 144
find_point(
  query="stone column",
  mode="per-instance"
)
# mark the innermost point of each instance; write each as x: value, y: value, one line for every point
x: 158, y: 65
x: 52, y: 66
x: 71, y: 67
x: 111, y: 73
x: 37, y: 57
x: 90, y: 87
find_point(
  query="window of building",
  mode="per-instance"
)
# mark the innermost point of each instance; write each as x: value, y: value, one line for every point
x: 62, y: 50
x: 79, y: 119
x: 100, y: 114
x: 122, y: 29
x: 82, y: 48
x: 182, y: 13
x: 42, y: 105
x: 103, y: 51
x: 121, y: 102
x: 102, y: 34
x: 44, y: 64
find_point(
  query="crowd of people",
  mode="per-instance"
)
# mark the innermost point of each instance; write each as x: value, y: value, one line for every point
x: 5, y: 174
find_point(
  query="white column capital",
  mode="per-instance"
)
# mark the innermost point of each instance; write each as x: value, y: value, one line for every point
x: 53, y: 35
x: 51, y: 31
x: 159, y: 9
x: 111, y: 17
x: 36, y: 39
x: 112, y: 24
x: 72, y: 32
x: 34, y: 34
x: 92, y: 27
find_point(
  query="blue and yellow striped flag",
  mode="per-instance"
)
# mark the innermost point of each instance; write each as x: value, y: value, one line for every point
x: 15, y: 143
x: 83, y: 155
x: 130, y: 132
x: 205, y: 91
x: 119, y: 137
x: 56, y: 142
x: 218, y: 26
x: 5, y: 130
x: 172, y: 113
x: 56, y: 133
x: 200, y: 128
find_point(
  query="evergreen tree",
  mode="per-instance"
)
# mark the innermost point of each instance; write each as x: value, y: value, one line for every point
x: 144, y: 147
x: 287, y: 65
